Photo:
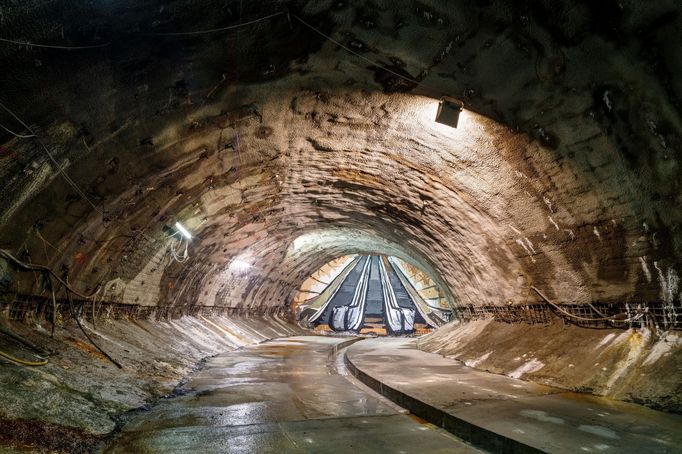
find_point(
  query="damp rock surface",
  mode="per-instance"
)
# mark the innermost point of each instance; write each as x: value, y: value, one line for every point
x: 80, y: 393
x: 635, y: 365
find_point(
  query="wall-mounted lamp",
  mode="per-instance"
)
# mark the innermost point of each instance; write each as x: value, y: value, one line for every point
x: 299, y: 243
x: 180, y: 228
x: 239, y: 265
x: 448, y: 112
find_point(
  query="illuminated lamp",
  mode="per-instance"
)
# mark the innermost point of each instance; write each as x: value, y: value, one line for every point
x: 448, y: 112
x: 239, y: 265
x: 180, y: 228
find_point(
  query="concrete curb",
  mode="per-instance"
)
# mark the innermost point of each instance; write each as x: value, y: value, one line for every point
x: 341, y: 345
x: 478, y: 436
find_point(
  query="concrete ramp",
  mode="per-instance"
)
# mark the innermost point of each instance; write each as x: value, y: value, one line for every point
x: 502, y: 414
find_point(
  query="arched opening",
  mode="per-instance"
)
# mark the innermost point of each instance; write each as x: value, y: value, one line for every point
x: 371, y: 294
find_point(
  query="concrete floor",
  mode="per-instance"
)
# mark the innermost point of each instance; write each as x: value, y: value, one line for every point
x: 541, y: 417
x: 282, y: 396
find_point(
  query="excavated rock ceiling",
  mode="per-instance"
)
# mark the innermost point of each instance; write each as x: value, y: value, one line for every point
x: 564, y: 172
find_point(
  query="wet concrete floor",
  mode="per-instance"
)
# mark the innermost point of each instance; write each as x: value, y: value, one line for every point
x: 542, y: 417
x: 282, y: 396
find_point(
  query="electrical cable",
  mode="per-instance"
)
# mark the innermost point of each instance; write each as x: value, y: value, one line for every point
x: 221, y: 29
x: 18, y: 136
x: 50, y: 46
x: 368, y: 60
x: 52, y: 158
x: 94, y: 303
x: 40, y: 352
x: 180, y: 258
x: 48, y: 270
x: 78, y: 322
x: 586, y: 319
x: 99, y: 46
x: 177, y: 257
x: 601, y: 314
x: 45, y: 242
x: 23, y: 341
x: 348, y: 49
x: 54, y: 305
x: 23, y: 362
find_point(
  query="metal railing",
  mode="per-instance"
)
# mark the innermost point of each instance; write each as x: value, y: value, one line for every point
x: 27, y: 307
x: 661, y: 315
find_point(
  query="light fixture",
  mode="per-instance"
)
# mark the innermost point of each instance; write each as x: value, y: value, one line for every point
x: 448, y: 112
x: 239, y: 265
x: 180, y: 228
x: 299, y: 242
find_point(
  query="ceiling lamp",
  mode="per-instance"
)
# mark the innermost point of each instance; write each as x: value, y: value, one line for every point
x: 448, y: 112
x: 180, y: 228
x: 239, y: 265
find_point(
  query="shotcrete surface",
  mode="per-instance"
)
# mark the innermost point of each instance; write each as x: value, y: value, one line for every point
x: 538, y: 416
x: 75, y: 401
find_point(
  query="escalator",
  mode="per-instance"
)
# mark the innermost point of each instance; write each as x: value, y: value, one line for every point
x: 371, y: 297
x: 402, y: 297
x: 375, y: 298
x: 373, y: 320
x: 398, y: 319
x: 344, y: 295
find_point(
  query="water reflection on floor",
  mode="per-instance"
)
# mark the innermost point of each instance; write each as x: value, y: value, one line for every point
x: 282, y: 396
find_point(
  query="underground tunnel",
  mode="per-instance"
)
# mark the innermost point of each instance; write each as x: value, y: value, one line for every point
x: 292, y: 226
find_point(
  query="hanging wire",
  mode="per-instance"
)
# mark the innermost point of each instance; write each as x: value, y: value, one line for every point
x: 48, y: 270
x: 50, y: 275
x: 38, y: 352
x: 45, y: 242
x: 69, y: 292
x: 611, y: 319
x: 54, y: 161
x: 50, y: 46
x: 221, y: 29
x: 85, y: 333
x: 190, y: 33
x: 348, y: 49
x: 23, y: 362
x: 437, y: 92
x: 180, y: 258
x: 18, y: 136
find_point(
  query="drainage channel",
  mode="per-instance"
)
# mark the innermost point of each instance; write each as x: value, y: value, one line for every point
x: 338, y: 365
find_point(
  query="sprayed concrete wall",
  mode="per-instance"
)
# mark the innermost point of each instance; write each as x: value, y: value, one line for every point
x: 641, y: 366
x: 78, y: 398
x: 563, y: 173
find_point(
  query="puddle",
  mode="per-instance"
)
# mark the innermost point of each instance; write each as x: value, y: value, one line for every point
x: 541, y: 416
x: 599, y: 431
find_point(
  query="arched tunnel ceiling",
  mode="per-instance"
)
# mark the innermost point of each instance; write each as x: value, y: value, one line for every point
x: 563, y: 173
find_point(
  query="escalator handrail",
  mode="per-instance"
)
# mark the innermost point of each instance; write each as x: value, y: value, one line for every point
x: 342, y: 278
x: 357, y: 306
x: 391, y: 308
x: 411, y: 293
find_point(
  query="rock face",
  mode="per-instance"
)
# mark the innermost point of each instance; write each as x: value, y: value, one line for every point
x: 563, y: 173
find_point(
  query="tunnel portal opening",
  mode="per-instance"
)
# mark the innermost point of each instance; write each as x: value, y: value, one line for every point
x: 371, y: 295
